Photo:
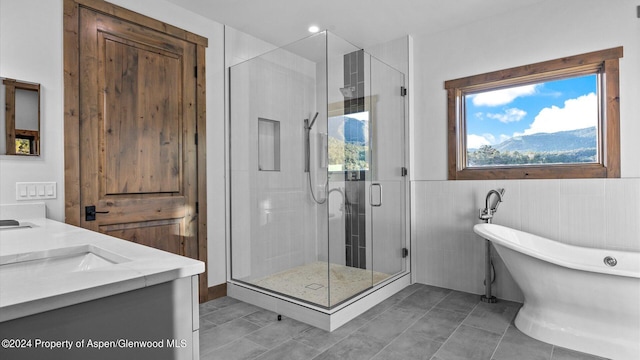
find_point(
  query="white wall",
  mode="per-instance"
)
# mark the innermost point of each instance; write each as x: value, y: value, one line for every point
x: 31, y: 50
x: 600, y: 213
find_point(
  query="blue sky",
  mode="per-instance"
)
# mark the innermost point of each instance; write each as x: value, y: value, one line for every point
x: 560, y: 105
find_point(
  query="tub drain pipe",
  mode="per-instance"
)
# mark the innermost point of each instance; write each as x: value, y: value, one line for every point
x: 487, y: 297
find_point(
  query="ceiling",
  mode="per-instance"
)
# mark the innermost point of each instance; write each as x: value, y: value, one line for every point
x: 362, y: 22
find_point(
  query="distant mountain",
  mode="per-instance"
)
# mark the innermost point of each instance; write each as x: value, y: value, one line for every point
x: 549, y: 142
x: 351, y: 130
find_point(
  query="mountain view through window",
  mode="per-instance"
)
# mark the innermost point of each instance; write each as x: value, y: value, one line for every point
x: 553, y: 122
x: 348, y: 142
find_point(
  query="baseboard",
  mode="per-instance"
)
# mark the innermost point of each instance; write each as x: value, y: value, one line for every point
x: 217, y: 291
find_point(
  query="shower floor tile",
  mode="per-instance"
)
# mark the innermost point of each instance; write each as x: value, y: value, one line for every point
x: 448, y: 325
x: 319, y: 284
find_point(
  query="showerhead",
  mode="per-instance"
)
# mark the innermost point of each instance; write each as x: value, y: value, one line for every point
x: 348, y: 91
x: 313, y: 121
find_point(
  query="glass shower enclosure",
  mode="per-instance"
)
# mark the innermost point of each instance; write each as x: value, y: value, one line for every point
x: 317, y: 171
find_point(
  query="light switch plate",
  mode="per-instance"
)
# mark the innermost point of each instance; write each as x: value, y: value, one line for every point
x: 35, y: 190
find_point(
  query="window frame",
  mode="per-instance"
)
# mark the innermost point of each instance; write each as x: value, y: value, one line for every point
x: 605, y: 63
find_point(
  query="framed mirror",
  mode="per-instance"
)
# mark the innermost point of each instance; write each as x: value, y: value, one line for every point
x: 20, y: 121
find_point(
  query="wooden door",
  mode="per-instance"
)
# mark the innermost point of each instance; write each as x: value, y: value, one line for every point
x: 138, y: 153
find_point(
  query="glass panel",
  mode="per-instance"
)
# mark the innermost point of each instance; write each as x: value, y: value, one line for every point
x: 553, y: 122
x: 277, y: 229
x: 388, y: 202
x: 347, y: 137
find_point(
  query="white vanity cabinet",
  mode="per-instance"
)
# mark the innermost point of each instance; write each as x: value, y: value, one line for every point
x: 69, y: 293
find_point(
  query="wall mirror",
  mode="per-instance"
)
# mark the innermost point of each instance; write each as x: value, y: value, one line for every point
x: 20, y: 121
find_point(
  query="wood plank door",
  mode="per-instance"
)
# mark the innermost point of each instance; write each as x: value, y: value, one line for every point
x: 138, y: 154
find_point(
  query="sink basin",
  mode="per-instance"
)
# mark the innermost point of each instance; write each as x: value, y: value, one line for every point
x: 13, y: 224
x: 58, y: 261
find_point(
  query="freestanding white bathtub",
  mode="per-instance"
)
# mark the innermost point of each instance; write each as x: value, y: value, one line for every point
x: 572, y: 298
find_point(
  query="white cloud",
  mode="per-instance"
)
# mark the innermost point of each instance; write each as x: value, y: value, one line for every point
x: 503, y: 96
x: 578, y: 113
x: 475, y: 141
x: 509, y: 115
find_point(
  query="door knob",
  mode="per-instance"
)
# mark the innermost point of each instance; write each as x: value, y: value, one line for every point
x: 90, y: 213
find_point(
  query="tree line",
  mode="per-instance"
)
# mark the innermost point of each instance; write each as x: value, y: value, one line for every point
x: 487, y: 155
x: 352, y: 156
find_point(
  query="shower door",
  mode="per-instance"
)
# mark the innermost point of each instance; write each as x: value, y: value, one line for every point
x: 368, y: 131
x: 387, y: 175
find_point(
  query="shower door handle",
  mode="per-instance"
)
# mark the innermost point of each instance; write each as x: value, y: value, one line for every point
x: 375, y: 195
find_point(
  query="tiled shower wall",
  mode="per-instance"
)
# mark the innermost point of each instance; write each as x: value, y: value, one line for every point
x: 354, y: 79
x: 355, y: 220
x: 601, y: 213
x: 355, y: 229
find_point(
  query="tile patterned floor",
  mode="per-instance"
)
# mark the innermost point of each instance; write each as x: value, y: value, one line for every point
x: 419, y: 322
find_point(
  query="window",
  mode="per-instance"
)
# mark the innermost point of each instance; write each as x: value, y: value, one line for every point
x: 554, y: 119
x: 348, y: 142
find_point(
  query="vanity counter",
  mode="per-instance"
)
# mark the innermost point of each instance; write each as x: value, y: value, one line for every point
x: 112, y: 266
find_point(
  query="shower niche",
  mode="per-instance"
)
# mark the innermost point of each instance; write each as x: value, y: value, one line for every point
x: 268, y: 145
x: 318, y: 197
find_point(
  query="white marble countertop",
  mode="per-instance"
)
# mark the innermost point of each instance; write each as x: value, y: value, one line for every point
x: 24, y: 293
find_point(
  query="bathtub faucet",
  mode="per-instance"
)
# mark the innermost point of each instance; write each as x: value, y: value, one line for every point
x: 486, y: 214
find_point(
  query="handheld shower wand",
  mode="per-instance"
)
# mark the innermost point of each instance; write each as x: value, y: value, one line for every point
x: 307, y: 157
x: 307, y: 142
